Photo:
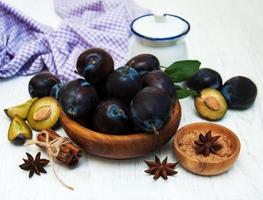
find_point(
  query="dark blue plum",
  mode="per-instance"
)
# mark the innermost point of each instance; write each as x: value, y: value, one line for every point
x: 150, y: 109
x: 101, y: 90
x: 123, y: 83
x: 55, y: 91
x: 78, y: 98
x: 205, y: 78
x: 111, y: 117
x: 144, y: 63
x: 41, y: 84
x: 239, y: 92
x: 95, y: 65
x: 161, y: 80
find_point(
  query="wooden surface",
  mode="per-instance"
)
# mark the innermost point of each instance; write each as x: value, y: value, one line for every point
x: 225, y: 35
x: 120, y: 146
x: 201, y: 167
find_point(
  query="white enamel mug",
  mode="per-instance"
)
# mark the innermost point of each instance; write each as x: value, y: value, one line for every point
x: 160, y: 35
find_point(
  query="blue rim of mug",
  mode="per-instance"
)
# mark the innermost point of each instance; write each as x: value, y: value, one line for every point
x: 161, y: 39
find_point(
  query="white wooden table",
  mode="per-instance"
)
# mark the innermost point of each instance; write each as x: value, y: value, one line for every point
x: 227, y: 36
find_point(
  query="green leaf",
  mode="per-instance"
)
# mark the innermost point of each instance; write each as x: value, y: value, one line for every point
x: 182, y: 70
x: 182, y: 93
x: 178, y: 87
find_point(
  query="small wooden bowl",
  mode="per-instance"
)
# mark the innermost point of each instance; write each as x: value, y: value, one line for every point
x: 206, y: 168
x: 120, y: 146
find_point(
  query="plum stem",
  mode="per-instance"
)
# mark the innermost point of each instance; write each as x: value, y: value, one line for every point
x: 119, y: 111
x: 156, y: 132
x: 128, y: 69
x: 76, y: 72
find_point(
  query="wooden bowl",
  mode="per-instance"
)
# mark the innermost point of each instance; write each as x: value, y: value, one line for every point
x: 206, y: 168
x: 120, y: 146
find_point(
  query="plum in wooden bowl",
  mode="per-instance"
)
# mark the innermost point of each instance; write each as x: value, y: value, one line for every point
x: 206, y: 148
x: 120, y: 146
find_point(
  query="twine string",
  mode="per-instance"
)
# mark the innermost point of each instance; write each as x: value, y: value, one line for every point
x: 52, y: 148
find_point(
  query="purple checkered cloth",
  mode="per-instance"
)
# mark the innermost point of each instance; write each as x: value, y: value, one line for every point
x: 27, y: 47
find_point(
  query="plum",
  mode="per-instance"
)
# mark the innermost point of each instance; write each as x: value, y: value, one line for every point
x: 19, y: 131
x: 20, y: 110
x: 240, y: 92
x: 78, y: 98
x: 144, y: 63
x: 41, y: 84
x: 205, y: 78
x: 95, y: 65
x: 211, y: 104
x: 55, y: 91
x: 123, y: 83
x: 44, y: 113
x: 111, y: 116
x: 150, y: 109
x: 101, y: 90
x: 161, y: 80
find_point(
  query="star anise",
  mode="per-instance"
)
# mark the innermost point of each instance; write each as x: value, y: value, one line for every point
x: 159, y: 168
x: 207, y: 144
x: 34, y: 165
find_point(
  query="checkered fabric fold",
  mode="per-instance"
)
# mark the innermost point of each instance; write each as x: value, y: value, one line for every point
x: 27, y: 47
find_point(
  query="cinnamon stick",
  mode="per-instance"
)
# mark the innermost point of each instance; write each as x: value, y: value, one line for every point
x: 64, y: 155
x: 68, y: 153
x: 53, y: 135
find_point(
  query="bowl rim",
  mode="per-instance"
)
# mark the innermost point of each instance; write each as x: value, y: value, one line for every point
x: 175, y: 37
x: 181, y: 131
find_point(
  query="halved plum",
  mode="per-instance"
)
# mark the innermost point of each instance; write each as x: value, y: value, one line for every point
x: 44, y: 113
x: 20, y: 110
x: 211, y: 104
x: 19, y: 131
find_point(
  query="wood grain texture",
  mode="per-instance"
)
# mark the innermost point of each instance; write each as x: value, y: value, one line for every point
x: 206, y: 168
x: 225, y: 35
x: 120, y: 146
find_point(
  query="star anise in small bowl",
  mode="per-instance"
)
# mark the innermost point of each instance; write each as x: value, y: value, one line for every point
x: 206, y: 148
x: 207, y: 144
